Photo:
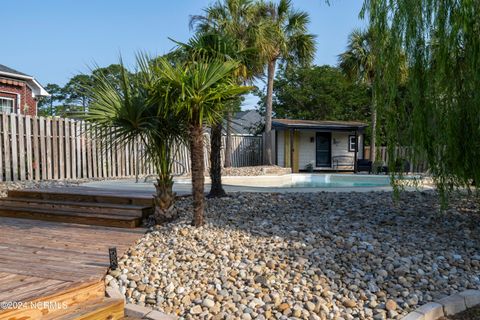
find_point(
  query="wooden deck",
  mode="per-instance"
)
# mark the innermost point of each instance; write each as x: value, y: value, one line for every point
x: 51, y: 261
x: 78, y: 205
x: 134, y: 197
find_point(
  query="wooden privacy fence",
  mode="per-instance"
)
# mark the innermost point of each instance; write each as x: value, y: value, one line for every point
x: 39, y: 148
x: 401, y: 153
x: 246, y: 150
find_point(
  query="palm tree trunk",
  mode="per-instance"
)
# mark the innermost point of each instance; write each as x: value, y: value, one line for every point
x: 198, y: 171
x: 228, y: 141
x: 164, y: 200
x: 267, y: 157
x: 216, y: 189
x: 373, y: 138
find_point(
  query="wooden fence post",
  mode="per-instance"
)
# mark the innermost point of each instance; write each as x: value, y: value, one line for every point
x: 36, y: 149
x: 29, y: 150
x: 21, y: 148
x: 13, y: 144
x: 55, y: 149
x: 61, y: 148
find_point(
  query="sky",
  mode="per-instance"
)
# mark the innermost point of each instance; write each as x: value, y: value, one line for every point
x: 54, y: 40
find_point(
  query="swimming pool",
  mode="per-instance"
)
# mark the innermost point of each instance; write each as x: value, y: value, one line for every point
x: 298, y: 182
x: 303, y: 180
x: 337, y: 181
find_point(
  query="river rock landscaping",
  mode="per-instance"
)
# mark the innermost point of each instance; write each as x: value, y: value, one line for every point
x: 305, y: 256
x: 250, y: 171
x: 255, y: 171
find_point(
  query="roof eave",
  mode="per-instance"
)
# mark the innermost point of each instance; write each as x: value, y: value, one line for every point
x: 15, y: 75
x: 319, y: 127
x: 41, y: 90
x: 37, y: 88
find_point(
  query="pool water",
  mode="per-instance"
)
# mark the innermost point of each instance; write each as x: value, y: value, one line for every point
x: 337, y: 181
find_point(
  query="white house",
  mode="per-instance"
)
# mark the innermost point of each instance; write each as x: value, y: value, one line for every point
x: 318, y: 145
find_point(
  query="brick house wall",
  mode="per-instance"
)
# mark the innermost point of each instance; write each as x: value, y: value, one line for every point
x: 22, y: 95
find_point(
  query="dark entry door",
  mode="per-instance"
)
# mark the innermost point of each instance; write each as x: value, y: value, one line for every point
x: 323, y: 149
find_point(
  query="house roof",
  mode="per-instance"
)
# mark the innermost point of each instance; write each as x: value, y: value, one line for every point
x: 5, y: 69
x: 37, y: 88
x: 319, y: 125
x: 243, y: 122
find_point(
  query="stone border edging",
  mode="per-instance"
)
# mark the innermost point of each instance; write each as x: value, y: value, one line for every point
x: 447, y: 306
x: 134, y: 310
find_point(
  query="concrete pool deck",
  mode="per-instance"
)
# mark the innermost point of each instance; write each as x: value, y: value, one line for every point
x: 182, y: 186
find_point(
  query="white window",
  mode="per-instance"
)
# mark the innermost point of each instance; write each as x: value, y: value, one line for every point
x: 352, y: 143
x: 6, y: 105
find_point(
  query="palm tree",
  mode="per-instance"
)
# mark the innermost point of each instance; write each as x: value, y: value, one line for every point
x: 358, y: 63
x: 235, y: 20
x: 282, y: 36
x: 129, y: 111
x: 212, y: 45
x: 200, y: 88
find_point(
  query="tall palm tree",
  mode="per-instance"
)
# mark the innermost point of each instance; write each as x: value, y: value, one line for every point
x: 358, y: 63
x: 282, y: 36
x: 200, y: 87
x: 129, y: 111
x: 235, y: 20
x: 213, y: 45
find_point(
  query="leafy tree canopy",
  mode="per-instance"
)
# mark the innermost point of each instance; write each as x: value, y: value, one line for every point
x: 73, y: 98
x: 47, y: 105
x: 113, y: 73
x: 318, y: 93
x: 76, y: 90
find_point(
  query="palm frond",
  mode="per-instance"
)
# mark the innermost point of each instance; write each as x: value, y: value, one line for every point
x: 284, y: 6
x: 302, y: 48
x: 298, y: 22
x: 130, y: 112
x: 201, y: 87
x: 357, y: 60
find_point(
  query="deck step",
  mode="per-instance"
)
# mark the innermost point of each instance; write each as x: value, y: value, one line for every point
x: 74, y: 206
x: 107, y: 309
x: 82, y: 195
x: 59, y: 302
x: 109, y: 220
